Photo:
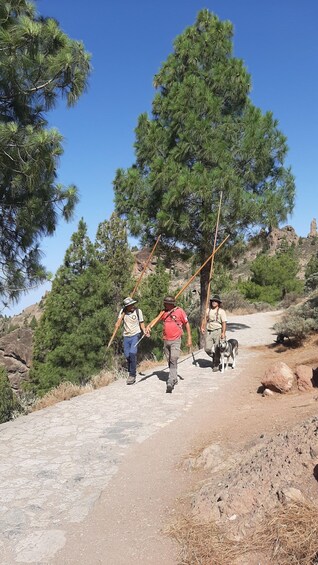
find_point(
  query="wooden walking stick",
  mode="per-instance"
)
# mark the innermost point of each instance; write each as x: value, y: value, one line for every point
x: 158, y: 318
x: 120, y: 319
x: 200, y: 268
x: 203, y: 325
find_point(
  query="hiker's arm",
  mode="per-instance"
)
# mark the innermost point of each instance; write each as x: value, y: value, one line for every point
x: 144, y: 329
x: 189, y: 342
x: 223, y: 330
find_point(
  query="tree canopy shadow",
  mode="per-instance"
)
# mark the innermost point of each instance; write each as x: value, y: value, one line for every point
x: 234, y: 326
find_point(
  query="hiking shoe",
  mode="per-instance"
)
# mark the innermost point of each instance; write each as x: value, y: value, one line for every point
x: 215, y: 369
x: 169, y: 387
x: 175, y: 382
x: 131, y: 380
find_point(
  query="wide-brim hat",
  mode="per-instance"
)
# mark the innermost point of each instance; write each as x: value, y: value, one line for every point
x: 169, y: 300
x: 216, y: 298
x: 129, y: 301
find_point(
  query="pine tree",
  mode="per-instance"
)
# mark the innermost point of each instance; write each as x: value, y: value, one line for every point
x: 112, y: 249
x: 78, y: 318
x: 204, y: 137
x: 38, y: 65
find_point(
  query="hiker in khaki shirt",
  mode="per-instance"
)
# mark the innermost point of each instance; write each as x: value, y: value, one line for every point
x: 215, y: 330
x: 133, y: 327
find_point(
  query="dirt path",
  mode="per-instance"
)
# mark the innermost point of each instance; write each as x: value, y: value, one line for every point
x: 96, y: 479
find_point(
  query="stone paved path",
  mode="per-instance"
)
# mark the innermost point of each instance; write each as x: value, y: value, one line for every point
x: 55, y: 463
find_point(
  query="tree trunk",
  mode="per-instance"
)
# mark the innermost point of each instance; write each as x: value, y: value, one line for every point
x: 204, y: 284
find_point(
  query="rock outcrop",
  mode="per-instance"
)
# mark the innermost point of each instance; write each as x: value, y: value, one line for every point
x: 313, y: 228
x: 278, y: 237
x: 15, y: 355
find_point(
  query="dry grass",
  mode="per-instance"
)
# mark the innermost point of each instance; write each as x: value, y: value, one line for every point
x: 291, y: 533
x: 203, y: 543
x: 64, y: 391
x: 68, y: 390
x: 148, y: 364
x: 288, y: 536
x: 104, y: 379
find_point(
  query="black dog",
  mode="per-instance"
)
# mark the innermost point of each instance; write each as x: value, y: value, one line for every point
x: 228, y: 349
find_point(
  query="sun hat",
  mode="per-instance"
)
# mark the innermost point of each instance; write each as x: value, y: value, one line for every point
x: 216, y: 298
x: 128, y: 302
x: 169, y: 300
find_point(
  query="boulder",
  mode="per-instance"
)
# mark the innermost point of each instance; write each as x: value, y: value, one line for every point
x: 304, y: 376
x: 279, y: 377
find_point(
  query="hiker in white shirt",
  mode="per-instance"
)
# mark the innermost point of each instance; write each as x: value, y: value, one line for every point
x: 133, y: 327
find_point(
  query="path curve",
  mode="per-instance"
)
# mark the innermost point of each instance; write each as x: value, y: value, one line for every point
x: 65, y: 470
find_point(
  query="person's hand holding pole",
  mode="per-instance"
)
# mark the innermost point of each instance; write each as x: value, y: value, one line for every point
x: 189, y: 341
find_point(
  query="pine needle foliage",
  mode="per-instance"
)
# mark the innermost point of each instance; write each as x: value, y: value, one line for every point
x: 204, y: 136
x: 80, y: 311
x: 7, y: 400
x: 153, y: 291
x: 39, y: 64
x: 273, y: 277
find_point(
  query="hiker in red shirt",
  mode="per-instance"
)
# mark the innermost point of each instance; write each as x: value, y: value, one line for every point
x: 174, y: 318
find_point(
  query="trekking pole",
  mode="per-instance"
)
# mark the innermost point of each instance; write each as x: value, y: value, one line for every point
x: 191, y: 353
x: 158, y: 318
x: 203, y: 325
x: 120, y: 319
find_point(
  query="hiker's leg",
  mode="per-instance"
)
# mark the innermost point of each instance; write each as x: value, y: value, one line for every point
x: 174, y: 356
x: 209, y: 343
x: 217, y: 355
x: 166, y: 351
x: 127, y: 351
x: 133, y: 355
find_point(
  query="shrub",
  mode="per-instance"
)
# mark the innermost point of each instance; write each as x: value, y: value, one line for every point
x: 290, y: 299
x: 7, y: 400
x: 311, y: 282
x: 272, y: 277
x: 295, y: 323
x: 257, y: 293
x: 234, y: 300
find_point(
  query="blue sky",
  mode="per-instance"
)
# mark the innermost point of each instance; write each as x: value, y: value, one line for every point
x: 129, y: 40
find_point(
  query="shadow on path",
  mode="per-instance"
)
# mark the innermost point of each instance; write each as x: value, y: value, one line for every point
x: 203, y: 363
x: 233, y: 326
x: 162, y: 376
